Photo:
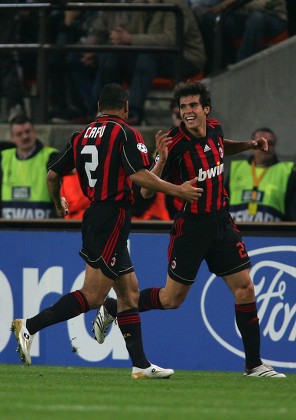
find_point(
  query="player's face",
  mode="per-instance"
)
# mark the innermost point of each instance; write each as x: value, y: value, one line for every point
x: 24, y: 136
x: 192, y: 113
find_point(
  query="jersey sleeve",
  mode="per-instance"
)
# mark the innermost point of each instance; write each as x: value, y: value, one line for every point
x: 214, y: 127
x: 134, y: 154
x: 52, y: 158
x: 64, y: 163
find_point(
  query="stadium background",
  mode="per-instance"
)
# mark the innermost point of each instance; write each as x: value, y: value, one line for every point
x: 264, y: 87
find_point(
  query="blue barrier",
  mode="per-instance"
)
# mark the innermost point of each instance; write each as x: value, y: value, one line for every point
x: 37, y: 267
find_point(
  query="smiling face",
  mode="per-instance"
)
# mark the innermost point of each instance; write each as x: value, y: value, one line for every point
x: 194, y: 115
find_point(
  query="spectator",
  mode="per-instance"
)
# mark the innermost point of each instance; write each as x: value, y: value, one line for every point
x: 175, y: 113
x: 154, y: 28
x: 10, y: 79
x: 200, y: 7
x: 85, y: 67
x: 66, y: 101
x: 77, y: 201
x: 29, y: 34
x: 23, y: 170
x: 251, y: 22
x: 262, y: 189
x: 291, y: 7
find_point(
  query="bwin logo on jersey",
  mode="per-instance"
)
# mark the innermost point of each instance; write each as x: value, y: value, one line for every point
x: 210, y: 173
x: 142, y: 147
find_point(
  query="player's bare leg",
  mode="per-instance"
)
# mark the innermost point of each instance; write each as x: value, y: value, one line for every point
x: 96, y: 286
x: 173, y: 294
x: 93, y: 292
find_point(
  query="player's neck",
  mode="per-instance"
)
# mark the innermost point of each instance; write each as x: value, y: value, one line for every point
x: 199, y: 132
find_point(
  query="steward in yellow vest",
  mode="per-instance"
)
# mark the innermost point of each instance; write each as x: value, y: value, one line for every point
x: 262, y: 189
x: 23, y: 170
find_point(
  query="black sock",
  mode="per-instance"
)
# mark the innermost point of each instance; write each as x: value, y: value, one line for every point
x: 248, y: 325
x: 129, y: 323
x: 69, y: 306
x: 111, y: 306
x: 149, y: 299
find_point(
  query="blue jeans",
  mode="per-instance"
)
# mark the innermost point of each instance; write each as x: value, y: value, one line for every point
x: 252, y: 28
x: 140, y: 70
x: 84, y: 79
x: 151, y: 65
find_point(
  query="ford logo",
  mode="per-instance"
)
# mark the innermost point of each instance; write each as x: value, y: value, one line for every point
x: 274, y: 278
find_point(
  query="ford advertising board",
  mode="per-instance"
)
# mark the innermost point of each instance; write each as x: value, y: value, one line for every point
x: 37, y: 267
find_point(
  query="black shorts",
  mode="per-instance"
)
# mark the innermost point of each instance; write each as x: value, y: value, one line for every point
x: 105, y: 230
x: 214, y: 238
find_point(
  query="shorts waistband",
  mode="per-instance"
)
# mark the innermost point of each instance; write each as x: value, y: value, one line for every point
x: 203, y: 216
x: 119, y: 204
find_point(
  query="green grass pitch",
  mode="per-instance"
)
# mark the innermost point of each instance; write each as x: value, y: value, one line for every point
x: 49, y: 392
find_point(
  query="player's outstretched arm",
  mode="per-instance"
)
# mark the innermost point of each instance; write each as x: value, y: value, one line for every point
x: 231, y: 147
x: 187, y: 191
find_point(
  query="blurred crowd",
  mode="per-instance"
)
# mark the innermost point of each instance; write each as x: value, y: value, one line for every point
x: 75, y: 79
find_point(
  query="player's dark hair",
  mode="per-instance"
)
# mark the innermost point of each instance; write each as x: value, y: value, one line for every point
x: 113, y: 96
x: 268, y: 130
x: 193, y: 88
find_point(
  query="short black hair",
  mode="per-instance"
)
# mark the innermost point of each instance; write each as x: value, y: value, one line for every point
x: 113, y: 96
x: 20, y: 119
x: 191, y: 89
x: 268, y: 130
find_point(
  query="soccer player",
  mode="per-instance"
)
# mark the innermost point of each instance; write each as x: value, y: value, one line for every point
x: 203, y: 229
x: 108, y: 155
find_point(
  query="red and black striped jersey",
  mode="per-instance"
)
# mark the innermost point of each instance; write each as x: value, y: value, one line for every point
x: 105, y: 153
x: 191, y: 157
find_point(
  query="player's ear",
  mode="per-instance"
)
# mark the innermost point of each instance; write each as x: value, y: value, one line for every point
x: 207, y: 110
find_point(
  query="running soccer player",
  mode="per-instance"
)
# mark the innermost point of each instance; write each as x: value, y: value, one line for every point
x: 108, y: 155
x: 203, y: 229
